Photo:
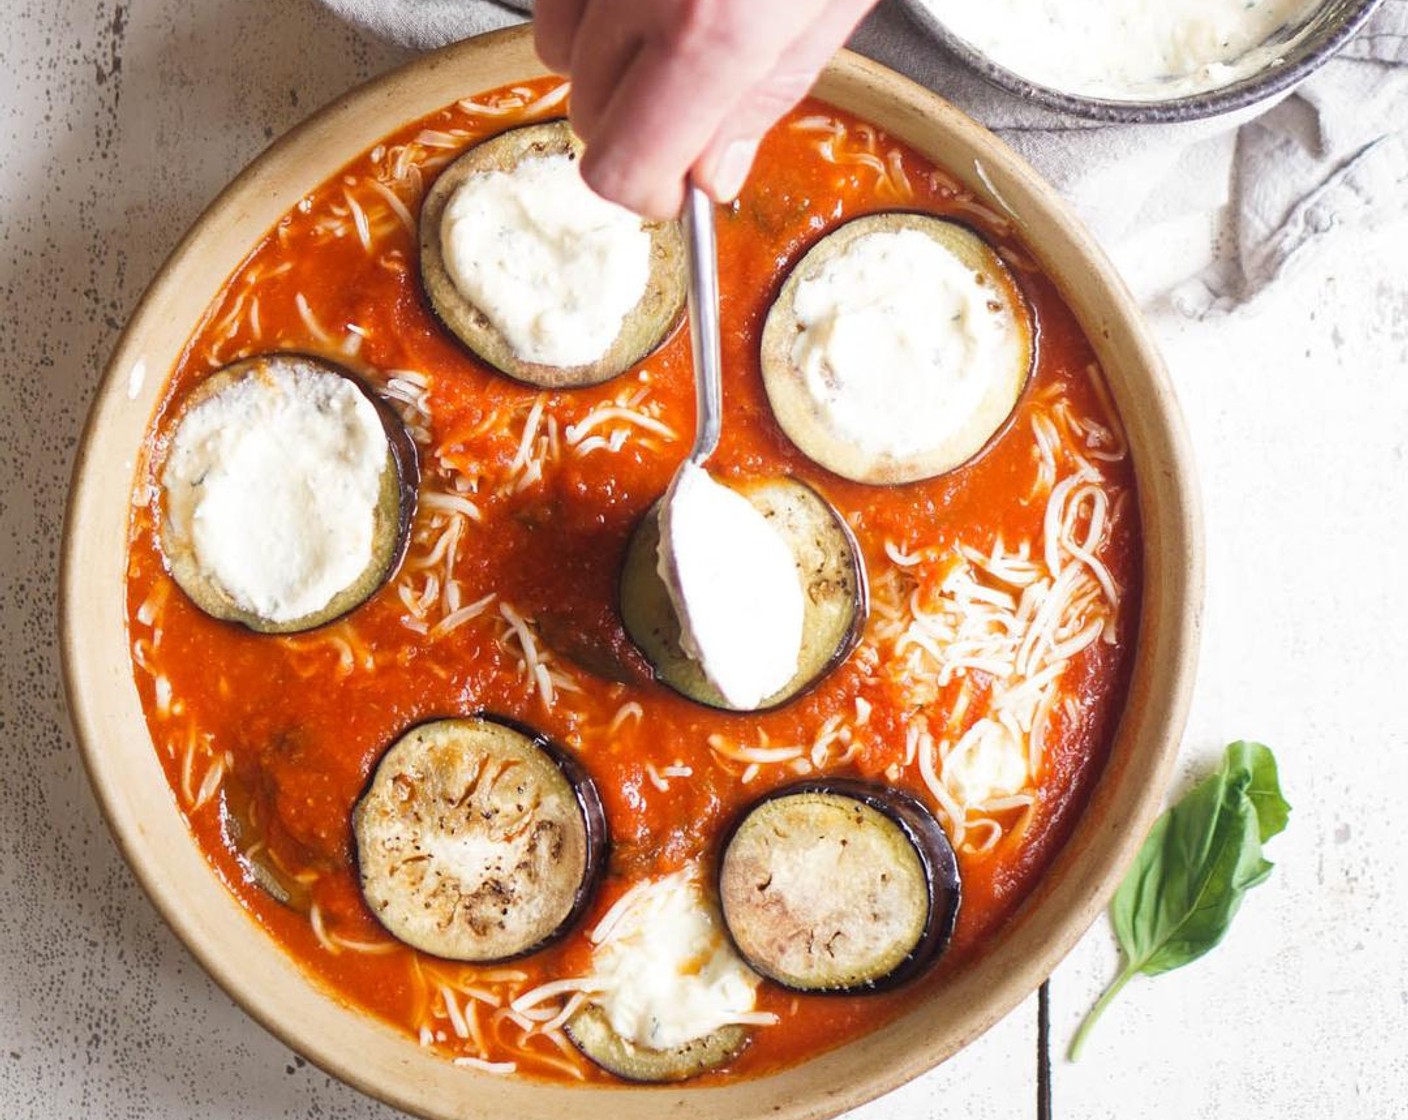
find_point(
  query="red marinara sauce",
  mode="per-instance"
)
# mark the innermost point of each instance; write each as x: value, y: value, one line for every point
x: 269, y: 741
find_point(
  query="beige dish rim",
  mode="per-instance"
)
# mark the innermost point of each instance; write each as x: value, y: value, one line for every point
x: 142, y: 813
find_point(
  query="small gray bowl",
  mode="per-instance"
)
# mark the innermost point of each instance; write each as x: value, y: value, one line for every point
x: 1313, y: 42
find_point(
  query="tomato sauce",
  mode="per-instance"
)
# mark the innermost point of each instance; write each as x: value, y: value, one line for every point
x: 269, y: 741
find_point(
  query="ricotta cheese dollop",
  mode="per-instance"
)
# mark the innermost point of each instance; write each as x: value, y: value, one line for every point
x: 667, y: 973
x: 734, y: 586
x: 897, y: 342
x: 554, y: 266
x: 273, y: 483
x: 1125, y: 49
x: 987, y: 763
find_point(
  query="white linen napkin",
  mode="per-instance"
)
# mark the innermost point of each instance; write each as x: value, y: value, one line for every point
x: 1333, y: 154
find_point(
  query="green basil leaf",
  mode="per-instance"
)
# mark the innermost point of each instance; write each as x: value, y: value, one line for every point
x: 1265, y: 789
x: 1194, y: 868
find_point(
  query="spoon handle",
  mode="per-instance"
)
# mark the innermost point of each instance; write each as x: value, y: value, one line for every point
x: 702, y: 256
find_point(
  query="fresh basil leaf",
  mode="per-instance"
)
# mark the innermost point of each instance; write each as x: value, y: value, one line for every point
x: 1265, y: 789
x: 1193, y: 870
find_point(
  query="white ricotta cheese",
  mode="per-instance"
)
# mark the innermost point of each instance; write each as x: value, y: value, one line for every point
x: 1125, y: 49
x: 734, y: 585
x: 667, y: 972
x: 897, y: 343
x: 986, y: 763
x: 273, y: 483
x: 554, y: 266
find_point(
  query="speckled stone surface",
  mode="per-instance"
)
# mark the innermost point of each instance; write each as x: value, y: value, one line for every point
x: 120, y: 122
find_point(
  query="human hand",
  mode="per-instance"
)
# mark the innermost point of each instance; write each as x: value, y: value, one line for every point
x: 665, y: 88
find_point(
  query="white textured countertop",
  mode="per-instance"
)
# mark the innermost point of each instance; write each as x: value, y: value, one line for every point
x: 121, y: 121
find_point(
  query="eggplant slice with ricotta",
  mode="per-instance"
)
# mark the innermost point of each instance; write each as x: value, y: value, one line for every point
x: 287, y: 493
x: 839, y: 886
x: 672, y: 997
x: 835, y: 593
x: 537, y: 275
x: 591, y: 1031
x: 897, y: 348
x: 478, y: 841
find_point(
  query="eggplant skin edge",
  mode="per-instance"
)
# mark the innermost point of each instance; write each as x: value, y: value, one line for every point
x: 395, y: 510
x: 930, y: 843
x: 649, y: 323
x: 591, y: 1032
x: 597, y: 836
x: 650, y: 622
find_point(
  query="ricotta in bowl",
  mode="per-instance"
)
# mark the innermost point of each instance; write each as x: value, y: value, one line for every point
x: 1129, y: 50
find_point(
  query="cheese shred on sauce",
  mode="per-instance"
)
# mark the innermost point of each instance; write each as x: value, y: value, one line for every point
x: 273, y: 484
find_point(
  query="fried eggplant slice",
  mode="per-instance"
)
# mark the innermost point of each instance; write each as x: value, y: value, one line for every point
x: 835, y: 599
x: 897, y: 348
x: 288, y: 490
x: 644, y: 325
x: 839, y: 886
x: 478, y: 840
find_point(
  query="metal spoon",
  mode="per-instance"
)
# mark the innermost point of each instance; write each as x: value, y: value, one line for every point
x: 703, y: 297
x: 702, y: 263
x: 701, y: 255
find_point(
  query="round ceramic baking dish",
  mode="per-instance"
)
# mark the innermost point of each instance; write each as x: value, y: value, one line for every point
x: 143, y: 815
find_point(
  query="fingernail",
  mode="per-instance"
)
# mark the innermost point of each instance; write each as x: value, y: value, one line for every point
x: 731, y: 172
